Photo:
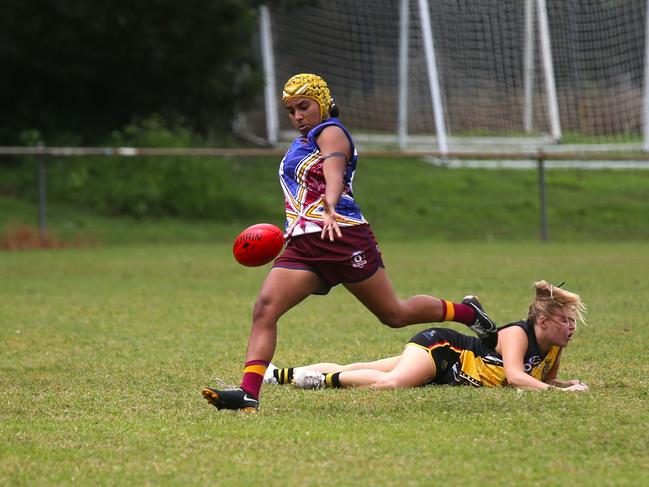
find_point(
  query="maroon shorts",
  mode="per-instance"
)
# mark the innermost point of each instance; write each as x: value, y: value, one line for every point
x: 353, y: 258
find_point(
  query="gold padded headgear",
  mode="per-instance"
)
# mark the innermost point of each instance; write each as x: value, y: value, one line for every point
x: 312, y: 86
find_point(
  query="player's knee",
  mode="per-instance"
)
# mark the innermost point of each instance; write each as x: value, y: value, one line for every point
x: 393, y: 319
x: 386, y: 382
x: 263, y: 309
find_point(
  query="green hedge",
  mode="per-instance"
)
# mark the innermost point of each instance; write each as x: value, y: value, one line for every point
x: 401, y: 198
x: 195, y: 187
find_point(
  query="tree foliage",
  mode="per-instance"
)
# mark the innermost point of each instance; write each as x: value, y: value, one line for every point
x: 85, y: 68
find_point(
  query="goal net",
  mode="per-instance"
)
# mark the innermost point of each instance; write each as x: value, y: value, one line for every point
x: 497, y: 87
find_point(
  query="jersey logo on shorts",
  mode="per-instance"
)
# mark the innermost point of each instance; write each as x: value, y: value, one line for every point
x: 358, y: 259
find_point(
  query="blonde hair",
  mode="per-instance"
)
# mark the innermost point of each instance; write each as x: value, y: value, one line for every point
x: 551, y: 300
x: 312, y: 86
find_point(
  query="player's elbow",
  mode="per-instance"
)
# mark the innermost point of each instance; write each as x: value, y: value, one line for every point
x: 517, y: 379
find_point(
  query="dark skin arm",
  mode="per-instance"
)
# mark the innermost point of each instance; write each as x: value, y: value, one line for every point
x: 333, y: 140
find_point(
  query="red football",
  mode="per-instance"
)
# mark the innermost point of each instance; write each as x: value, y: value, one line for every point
x: 258, y: 244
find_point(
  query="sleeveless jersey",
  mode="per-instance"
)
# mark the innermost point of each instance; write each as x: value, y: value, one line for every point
x: 303, y: 184
x: 487, y: 369
x: 468, y: 362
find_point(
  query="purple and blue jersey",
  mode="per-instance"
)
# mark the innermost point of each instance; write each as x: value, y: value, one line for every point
x: 302, y: 178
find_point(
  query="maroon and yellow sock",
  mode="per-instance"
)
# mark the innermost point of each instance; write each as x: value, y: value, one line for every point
x: 460, y: 313
x: 253, y: 376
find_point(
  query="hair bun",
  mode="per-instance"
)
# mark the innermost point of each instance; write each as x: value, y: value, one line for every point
x: 543, y: 290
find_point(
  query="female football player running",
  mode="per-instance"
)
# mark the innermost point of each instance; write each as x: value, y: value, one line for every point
x: 526, y: 356
x: 329, y: 242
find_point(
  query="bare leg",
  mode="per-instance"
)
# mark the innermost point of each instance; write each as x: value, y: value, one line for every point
x: 282, y: 289
x: 378, y: 295
x: 384, y: 365
x: 414, y: 369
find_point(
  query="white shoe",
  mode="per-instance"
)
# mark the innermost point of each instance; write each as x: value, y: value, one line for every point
x: 269, y: 378
x: 309, y: 379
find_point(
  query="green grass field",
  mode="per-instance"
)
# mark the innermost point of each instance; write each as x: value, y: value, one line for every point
x: 103, y: 352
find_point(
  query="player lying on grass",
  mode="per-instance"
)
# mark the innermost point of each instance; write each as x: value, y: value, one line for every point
x: 526, y: 356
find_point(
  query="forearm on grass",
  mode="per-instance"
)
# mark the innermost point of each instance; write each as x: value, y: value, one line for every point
x: 563, y: 383
x: 524, y: 381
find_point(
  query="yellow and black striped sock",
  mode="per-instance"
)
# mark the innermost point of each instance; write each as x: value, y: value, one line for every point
x: 283, y: 376
x: 333, y: 380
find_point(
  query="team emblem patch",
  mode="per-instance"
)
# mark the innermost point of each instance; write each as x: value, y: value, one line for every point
x: 429, y: 334
x: 358, y: 259
x: 532, y: 362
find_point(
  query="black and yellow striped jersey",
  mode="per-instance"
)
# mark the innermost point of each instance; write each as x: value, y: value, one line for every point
x: 462, y: 359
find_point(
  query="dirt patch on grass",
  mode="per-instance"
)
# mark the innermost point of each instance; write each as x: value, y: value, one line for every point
x: 20, y: 236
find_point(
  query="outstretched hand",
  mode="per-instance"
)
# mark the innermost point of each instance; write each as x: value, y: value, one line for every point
x: 330, y: 226
x: 574, y: 386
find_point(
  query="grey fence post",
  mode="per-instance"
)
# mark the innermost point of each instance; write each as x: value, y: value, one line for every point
x: 545, y: 232
x: 42, y: 193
